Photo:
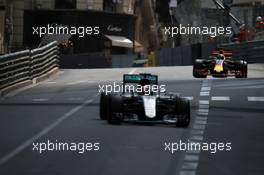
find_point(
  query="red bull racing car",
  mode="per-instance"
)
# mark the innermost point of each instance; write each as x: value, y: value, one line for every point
x: 220, y: 64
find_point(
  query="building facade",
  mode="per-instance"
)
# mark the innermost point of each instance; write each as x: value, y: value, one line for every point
x: 207, y: 13
x: 142, y: 9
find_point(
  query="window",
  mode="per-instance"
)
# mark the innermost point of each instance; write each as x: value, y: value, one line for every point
x: 65, y: 4
x: 110, y: 5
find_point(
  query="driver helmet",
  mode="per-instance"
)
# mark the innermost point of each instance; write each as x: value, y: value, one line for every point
x: 220, y: 56
x: 259, y: 19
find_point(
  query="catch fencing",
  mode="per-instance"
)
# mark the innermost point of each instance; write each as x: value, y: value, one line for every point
x: 27, y: 65
x: 252, y: 51
x: 183, y: 55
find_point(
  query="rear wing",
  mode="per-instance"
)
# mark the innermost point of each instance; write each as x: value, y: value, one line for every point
x: 226, y: 52
x: 136, y: 78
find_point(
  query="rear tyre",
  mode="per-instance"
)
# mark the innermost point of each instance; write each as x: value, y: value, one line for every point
x: 242, y: 69
x: 115, y: 109
x: 104, y: 103
x: 245, y: 70
x: 184, y: 112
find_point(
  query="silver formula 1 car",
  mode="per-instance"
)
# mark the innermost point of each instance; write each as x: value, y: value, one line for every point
x: 144, y: 106
x: 220, y: 64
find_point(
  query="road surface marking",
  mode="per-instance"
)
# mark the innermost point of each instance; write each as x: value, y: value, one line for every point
x: 190, y: 165
x: 132, y: 71
x: 196, y: 138
x: 189, y: 157
x: 204, y: 93
x: 187, y: 173
x: 40, y: 99
x: 203, y: 106
x: 192, y: 151
x: 189, y: 98
x: 198, y: 126
x: 80, y: 82
x: 204, y: 102
x: 220, y: 98
x: 255, y: 98
x: 203, y: 110
x: 202, y: 113
x: 201, y: 118
x: 50, y: 82
x: 208, y: 88
x: 205, y: 85
x: 75, y: 98
x: 29, y: 142
x: 191, y: 161
x: 197, y: 131
x: 202, y: 122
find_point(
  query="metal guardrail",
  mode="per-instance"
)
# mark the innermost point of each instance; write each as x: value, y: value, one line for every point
x: 252, y: 51
x: 44, y: 59
x: 27, y: 65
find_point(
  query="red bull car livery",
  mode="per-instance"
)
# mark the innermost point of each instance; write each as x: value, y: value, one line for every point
x: 220, y: 64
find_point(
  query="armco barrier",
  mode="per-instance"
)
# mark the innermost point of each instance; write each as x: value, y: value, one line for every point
x: 183, y: 55
x: 252, y: 52
x: 27, y: 65
x: 44, y: 59
x: 14, y: 68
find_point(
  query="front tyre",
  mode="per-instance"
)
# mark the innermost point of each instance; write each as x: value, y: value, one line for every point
x: 104, y: 106
x: 184, y: 113
x: 115, y: 111
x: 242, y: 69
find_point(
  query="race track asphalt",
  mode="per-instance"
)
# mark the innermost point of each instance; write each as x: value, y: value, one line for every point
x: 65, y: 109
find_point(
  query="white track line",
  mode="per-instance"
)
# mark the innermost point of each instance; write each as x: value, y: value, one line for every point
x: 190, y: 157
x: 220, y: 98
x: 75, y: 98
x: 204, y: 93
x: 40, y: 99
x: 187, y: 173
x: 206, y: 88
x: 198, y: 126
x: 189, y: 97
x: 196, y: 138
x: 197, y: 131
x: 49, y: 82
x: 203, y: 106
x: 190, y: 165
x: 201, y: 122
x: 191, y: 160
x: 132, y: 71
x: 29, y: 142
x: 80, y: 82
x: 259, y: 99
x: 204, y: 102
x: 203, y: 110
